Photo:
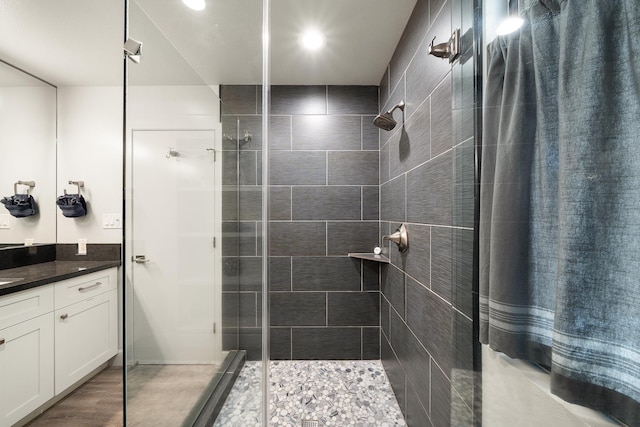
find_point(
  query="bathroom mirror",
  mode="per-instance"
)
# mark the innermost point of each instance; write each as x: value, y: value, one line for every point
x: 28, y: 135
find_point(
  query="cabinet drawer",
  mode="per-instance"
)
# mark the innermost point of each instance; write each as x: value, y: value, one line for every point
x: 24, y: 305
x: 80, y: 288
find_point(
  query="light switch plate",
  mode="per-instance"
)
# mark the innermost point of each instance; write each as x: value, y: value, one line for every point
x: 111, y: 221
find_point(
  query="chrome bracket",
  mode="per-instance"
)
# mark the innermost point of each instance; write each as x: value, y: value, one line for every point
x: 29, y: 184
x: 133, y: 50
x: 79, y: 184
x: 447, y: 50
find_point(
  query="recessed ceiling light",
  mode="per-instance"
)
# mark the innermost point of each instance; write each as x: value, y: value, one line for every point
x: 509, y: 25
x: 195, y: 4
x: 312, y: 40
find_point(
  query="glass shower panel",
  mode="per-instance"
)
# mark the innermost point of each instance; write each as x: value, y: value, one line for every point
x: 466, y: 96
x: 189, y: 230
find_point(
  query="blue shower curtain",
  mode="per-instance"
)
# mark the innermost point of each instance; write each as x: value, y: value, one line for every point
x: 560, y: 199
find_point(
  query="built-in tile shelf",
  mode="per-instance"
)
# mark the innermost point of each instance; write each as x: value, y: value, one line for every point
x: 370, y: 257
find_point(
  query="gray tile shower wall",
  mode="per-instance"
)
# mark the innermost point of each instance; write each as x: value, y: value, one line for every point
x: 335, y: 188
x: 426, y: 181
x: 324, y: 158
x: 324, y: 203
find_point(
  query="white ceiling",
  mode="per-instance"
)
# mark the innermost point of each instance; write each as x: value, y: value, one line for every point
x: 79, y: 42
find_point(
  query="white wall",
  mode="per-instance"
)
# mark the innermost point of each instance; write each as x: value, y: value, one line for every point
x: 28, y: 141
x: 90, y: 150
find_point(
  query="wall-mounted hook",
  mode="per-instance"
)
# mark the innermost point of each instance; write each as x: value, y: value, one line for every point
x: 447, y: 50
x: 79, y: 184
x: 29, y: 184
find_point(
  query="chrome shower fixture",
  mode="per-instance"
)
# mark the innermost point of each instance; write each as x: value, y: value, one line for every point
x: 400, y: 238
x: 385, y: 121
x: 448, y: 50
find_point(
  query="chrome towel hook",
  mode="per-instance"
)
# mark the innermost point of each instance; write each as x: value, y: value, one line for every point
x: 29, y: 184
x: 448, y: 50
x: 80, y: 184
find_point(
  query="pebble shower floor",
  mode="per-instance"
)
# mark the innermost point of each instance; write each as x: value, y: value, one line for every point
x: 333, y: 393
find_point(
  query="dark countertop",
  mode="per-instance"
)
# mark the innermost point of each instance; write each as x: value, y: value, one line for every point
x: 49, y: 272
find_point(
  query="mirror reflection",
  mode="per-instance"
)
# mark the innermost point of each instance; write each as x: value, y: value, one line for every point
x: 28, y: 134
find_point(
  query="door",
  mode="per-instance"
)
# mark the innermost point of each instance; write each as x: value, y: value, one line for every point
x: 173, y: 255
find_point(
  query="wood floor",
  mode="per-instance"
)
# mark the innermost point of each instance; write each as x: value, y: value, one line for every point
x: 158, y: 396
x: 98, y: 402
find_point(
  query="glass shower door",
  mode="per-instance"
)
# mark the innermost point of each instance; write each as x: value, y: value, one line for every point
x: 187, y: 228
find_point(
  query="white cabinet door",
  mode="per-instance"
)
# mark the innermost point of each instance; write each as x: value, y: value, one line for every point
x: 26, y: 367
x: 86, y: 337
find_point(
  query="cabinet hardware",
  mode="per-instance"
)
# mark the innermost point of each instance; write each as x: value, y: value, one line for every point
x: 64, y: 316
x: 89, y: 287
x: 1, y: 341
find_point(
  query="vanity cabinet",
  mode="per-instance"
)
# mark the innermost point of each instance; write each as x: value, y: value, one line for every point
x: 51, y: 337
x: 26, y: 352
x: 85, y: 326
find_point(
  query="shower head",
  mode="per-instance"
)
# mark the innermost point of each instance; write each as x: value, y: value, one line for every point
x: 385, y: 121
